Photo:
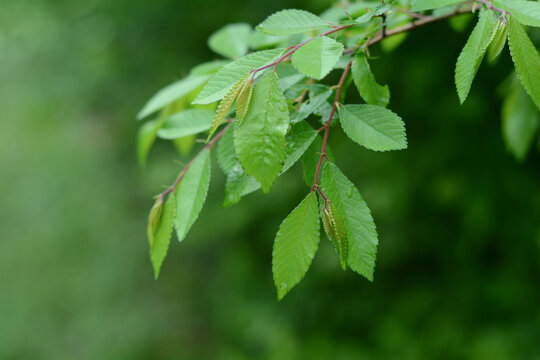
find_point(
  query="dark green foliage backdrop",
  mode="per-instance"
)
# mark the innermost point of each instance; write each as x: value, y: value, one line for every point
x: 459, y: 257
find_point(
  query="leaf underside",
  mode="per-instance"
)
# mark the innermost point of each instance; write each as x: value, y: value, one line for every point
x: 191, y: 193
x: 369, y: 89
x: 526, y: 60
x: 471, y: 56
x: 296, y: 243
x: 160, y: 231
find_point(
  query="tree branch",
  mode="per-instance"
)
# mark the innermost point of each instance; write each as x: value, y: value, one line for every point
x: 415, y: 24
x: 327, y: 131
x: 208, y: 146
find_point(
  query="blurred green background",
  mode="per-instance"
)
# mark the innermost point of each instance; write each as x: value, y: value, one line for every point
x: 458, y: 270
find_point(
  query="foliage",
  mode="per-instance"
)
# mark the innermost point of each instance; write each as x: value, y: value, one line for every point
x: 277, y: 117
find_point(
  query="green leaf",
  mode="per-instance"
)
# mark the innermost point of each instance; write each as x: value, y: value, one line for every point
x: 146, y: 136
x: 185, y: 144
x: 302, y: 136
x: 171, y: 93
x: 364, y: 79
x: 187, y: 122
x: 526, y: 12
x: 472, y: 54
x: 260, y: 138
x: 154, y: 218
x: 421, y: 5
x: 292, y: 21
x: 222, y: 81
x: 526, y: 60
x: 391, y: 43
x: 461, y: 22
x: 238, y: 184
x: 335, y: 230
x: 225, y: 104
x: 191, y: 193
x: 231, y: 41
x: 288, y: 75
x: 226, y: 153
x: 499, y: 34
x: 314, y: 105
x: 356, y: 217
x: 244, y: 99
x: 296, y: 243
x: 259, y: 41
x: 373, y: 126
x: 520, y: 122
x: 318, y: 57
x: 160, y: 226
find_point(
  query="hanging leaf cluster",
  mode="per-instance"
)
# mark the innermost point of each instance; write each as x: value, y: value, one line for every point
x: 268, y: 106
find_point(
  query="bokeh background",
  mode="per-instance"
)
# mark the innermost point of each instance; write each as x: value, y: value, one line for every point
x: 458, y: 270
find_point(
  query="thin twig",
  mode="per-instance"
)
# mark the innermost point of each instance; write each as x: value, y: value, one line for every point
x: 186, y: 168
x: 291, y: 50
x: 327, y: 131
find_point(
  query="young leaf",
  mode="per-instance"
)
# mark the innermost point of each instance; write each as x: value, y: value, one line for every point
x: 373, y: 126
x: 171, y: 93
x: 499, y: 35
x: 364, y: 80
x: 187, y: 122
x: 191, y: 193
x: 526, y: 12
x: 472, y: 54
x: 356, y: 217
x: 154, y: 218
x: 296, y: 243
x: 318, y: 57
x: 238, y: 184
x: 231, y: 41
x: 222, y: 81
x: 226, y: 103
x: 301, y: 138
x: 260, y: 138
x: 160, y: 226
x: 292, y: 21
x: 421, y: 5
x: 335, y: 230
x: 526, y: 60
x: 146, y: 136
x: 520, y: 122
x: 244, y: 98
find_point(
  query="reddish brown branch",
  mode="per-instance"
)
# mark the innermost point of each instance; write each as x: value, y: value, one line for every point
x: 327, y: 131
x: 186, y: 168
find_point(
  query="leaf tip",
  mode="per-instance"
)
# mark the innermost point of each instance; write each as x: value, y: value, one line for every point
x: 156, y: 271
